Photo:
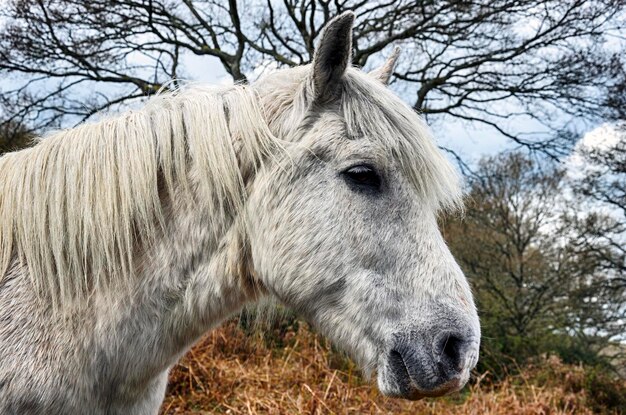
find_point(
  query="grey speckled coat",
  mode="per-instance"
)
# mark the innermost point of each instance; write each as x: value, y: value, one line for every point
x: 122, y: 242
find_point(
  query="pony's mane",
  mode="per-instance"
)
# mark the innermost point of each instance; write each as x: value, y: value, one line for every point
x: 372, y: 110
x: 73, y: 207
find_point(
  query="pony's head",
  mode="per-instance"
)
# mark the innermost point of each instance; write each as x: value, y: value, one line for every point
x: 342, y: 227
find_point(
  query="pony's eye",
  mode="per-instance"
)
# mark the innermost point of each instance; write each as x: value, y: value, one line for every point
x: 363, y: 176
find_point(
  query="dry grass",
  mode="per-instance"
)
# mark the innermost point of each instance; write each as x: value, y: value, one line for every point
x: 298, y: 373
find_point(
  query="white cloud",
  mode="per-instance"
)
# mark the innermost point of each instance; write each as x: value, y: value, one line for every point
x: 601, y: 138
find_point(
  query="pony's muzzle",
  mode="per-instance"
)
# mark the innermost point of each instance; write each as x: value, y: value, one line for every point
x: 417, y: 368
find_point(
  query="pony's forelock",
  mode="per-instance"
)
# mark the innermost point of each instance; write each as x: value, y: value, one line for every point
x: 372, y: 110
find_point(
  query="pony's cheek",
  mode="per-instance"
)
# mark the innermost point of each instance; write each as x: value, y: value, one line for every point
x: 293, y: 244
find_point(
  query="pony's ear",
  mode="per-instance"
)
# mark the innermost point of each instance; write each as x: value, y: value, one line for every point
x: 332, y: 56
x: 383, y: 74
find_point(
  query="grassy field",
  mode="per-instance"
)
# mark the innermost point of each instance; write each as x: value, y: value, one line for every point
x: 294, y: 371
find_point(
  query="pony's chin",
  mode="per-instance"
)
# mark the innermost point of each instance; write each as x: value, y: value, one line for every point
x: 414, y: 394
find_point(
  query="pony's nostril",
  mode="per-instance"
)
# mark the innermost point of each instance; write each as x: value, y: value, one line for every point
x: 450, y: 350
x: 397, y: 362
x: 395, y: 357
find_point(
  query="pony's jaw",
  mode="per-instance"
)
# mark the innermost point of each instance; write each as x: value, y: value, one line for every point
x: 410, y: 359
x: 414, y: 348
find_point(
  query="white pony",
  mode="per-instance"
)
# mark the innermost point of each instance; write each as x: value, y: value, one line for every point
x: 123, y: 241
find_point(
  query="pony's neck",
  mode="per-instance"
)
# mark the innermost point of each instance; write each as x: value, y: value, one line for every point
x: 188, y: 283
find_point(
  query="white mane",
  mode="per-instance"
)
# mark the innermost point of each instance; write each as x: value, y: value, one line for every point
x: 73, y: 207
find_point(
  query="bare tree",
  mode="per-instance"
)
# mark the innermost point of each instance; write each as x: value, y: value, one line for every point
x: 482, y: 62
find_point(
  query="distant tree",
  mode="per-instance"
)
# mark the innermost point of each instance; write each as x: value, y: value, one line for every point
x: 603, y: 180
x: 14, y: 137
x: 536, y: 289
x: 600, y: 237
x: 483, y: 62
x: 505, y: 247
